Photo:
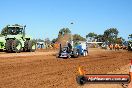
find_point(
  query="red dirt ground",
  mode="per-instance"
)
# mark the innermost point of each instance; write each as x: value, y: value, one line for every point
x: 41, y: 70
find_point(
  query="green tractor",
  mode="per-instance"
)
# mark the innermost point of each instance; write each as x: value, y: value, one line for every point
x: 14, y: 39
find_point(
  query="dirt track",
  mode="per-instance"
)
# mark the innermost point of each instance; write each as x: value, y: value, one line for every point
x: 45, y: 71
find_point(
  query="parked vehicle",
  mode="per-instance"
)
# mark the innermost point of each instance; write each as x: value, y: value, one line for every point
x: 14, y: 39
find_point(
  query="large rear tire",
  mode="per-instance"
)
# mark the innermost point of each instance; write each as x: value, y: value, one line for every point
x: 26, y: 46
x: 31, y: 46
x: 8, y: 45
x: 16, y: 46
x: 75, y: 53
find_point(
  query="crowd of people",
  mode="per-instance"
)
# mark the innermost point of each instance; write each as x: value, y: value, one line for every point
x: 117, y: 47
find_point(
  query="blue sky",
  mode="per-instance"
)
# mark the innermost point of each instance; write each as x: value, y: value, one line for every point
x: 44, y: 18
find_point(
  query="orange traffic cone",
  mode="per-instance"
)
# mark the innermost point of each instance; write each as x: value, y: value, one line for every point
x: 81, y: 71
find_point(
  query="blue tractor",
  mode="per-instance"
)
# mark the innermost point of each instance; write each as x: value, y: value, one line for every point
x: 69, y: 50
x: 82, y: 48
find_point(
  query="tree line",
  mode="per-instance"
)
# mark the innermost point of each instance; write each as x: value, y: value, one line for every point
x: 110, y: 35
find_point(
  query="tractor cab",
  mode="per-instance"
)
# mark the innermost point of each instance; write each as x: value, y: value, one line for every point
x: 14, y: 30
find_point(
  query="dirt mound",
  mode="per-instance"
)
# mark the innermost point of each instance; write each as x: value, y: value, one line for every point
x: 63, y: 39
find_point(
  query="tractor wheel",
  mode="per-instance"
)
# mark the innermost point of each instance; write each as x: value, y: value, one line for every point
x: 129, y: 48
x: 75, y: 53
x: 85, y: 53
x: 26, y: 46
x: 31, y: 46
x: 16, y: 46
x: 8, y: 45
x: 81, y: 80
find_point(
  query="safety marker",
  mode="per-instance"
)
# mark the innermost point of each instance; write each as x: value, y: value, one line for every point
x: 81, y: 71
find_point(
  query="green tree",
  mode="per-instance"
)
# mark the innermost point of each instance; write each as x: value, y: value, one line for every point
x: 100, y: 38
x: 64, y: 31
x: 38, y: 40
x: 77, y: 37
x: 119, y: 40
x: 4, y: 30
x: 35, y: 40
x: 92, y: 36
x: 47, y: 41
x: 111, y: 35
x: 130, y: 36
x: 54, y: 40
